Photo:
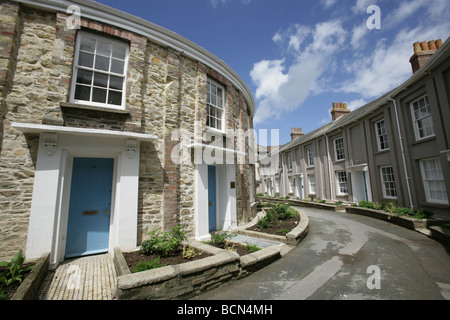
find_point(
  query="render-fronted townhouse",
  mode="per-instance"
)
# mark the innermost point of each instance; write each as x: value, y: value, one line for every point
x: 394, y: 148
x: 112, y: 127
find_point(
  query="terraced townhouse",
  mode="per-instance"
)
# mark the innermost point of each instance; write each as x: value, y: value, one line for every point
x: 112, y: 127
x: 393, y: 148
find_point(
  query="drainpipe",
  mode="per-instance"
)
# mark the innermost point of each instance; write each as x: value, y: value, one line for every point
x: 329, y: 168
x: 403, y: 153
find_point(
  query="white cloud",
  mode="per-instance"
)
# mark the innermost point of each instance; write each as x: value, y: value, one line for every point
x: 362, y: 5
x: 355, y: 104
x: 358, y: 34
x: 281, y: 89
x: 328, y: 3
x: 216, y: 3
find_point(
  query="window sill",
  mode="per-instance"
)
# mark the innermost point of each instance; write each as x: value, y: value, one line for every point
x: 94, y: 108
x: 418, y: 141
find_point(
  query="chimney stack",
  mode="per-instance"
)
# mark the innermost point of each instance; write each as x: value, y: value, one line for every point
x: 296, y: 133
x: 422, y: 52
x: 339, y: 109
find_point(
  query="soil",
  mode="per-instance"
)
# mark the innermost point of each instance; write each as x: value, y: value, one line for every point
x: 235, y: 246
x: 174, y: 258
x: 11, y: 289
x: 288, y: 224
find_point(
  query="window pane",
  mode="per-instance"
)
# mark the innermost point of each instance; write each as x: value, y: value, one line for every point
x: 119, y: 52
x: 115, y: 98
x: 117, y: 66
x: 86, y: 59
x: 100, y: 80
x: 101, y: 63
x: 115, y: 83
x: 87, y: 44
x: 103, y: 48
x: 84, y: 77
x: 82, y: 93
x: 99, y: 95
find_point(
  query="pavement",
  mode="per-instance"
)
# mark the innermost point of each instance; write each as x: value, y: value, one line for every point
x: 85, y: 278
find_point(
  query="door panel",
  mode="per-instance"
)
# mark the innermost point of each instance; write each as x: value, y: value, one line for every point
x: 212, y: 201
x: 90, y: 206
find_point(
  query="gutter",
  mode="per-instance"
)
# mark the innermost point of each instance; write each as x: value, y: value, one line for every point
x: 403, y: 152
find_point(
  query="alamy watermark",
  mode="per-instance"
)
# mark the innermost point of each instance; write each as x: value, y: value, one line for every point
x: 374, y: 281
x: 374, y: 21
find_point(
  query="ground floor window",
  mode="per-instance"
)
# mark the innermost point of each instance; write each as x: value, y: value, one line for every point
x: 388, y: 183
x: 312, y: 183
x: 433, y: 181
x: 341, y: 177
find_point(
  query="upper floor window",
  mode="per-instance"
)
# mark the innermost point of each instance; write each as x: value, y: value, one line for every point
x: 215, y: 106
x: 382, y: 136
x: 423, y: 121
x: 100, y: 69
x: 339, y: 152
x: 388, y: 183
x: 433, y: 181
x: 310, y: 155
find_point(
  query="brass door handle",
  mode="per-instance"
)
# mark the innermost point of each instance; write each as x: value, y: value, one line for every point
x: 210, y: 203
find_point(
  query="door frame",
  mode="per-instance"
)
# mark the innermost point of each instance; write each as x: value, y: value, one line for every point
x: 66, y: 192
x: 216, y: 199
x: 69, y: 193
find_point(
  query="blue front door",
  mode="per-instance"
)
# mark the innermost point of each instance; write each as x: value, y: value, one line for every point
x: 212, y: 203
x: 90, y: 206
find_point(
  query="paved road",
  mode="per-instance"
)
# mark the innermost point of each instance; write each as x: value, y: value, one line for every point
x: 350, y: 257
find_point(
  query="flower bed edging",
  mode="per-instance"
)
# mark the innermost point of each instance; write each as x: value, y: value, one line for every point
x: 29, y: 288
x: 309, y: 204
x: 191, y: 278
x: 407, y: 222
x: 292, y: 238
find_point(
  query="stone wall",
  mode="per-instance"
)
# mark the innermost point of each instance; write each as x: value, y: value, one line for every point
x: 165, y: 91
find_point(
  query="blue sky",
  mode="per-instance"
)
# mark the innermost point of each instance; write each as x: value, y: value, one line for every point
x: 298, y: 57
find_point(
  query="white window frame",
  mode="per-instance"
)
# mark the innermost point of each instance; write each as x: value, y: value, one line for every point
x: 342, y: 183
x: 385, y: 182
x: 382, y: 136
x: 291, y: 184
x: 77, y: 67
x: 342, y: 149
x: 312, y: 183
x: 290, y: 164
x: 310, y: 156
x: 439, y: 177
x: 417, y: 121
x: 217, y: 107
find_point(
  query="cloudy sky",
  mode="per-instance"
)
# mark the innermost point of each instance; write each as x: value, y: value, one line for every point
x: 299, y: 56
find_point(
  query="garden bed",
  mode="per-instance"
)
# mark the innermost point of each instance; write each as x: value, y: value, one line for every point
x: 280, y: 228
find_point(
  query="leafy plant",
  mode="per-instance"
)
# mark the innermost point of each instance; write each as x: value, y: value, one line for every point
x: 162, y: 243
x: 366, y: 204
x: 252, y: 247
x: 283, y: 231
x: 279, y: 212
x: 221, y: 238
x: 189, y: 252
x: 338, y: 203
x: 147, y: 265
x: 14, y: 271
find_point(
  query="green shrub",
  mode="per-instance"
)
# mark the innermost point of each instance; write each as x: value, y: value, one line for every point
x: 147, y: 265
x: 260, y: 194
x: 283, y: 231
x: 190, y: 253
x: 221, y: 238
x: 14, y: 271
x: 366, y: 204
x: 279, y: 212
x: 404, y: 211
x: 252, y: 247
x: 162, y: 243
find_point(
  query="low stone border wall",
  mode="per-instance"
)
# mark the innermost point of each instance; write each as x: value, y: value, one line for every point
x: 308, y: 204
x: 292, y: 238
x: 189, y: 279
x: 404, y: 221
x: 29, y: 288
x: 441, y: 234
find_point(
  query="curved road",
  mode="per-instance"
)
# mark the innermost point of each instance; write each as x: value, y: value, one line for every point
x: 352, y: 257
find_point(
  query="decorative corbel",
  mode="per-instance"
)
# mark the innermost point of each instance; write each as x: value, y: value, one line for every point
x: 131, y: 148
x: 49, y: 142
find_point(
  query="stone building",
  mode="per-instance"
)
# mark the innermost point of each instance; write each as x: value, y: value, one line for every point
x: 109, y: 124
x: 395, y: 148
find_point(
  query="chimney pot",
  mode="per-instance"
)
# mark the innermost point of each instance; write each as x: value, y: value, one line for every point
x: 296, y: 133
x: 422, y: 52
x: 438, y: 43
x: 417, y: 47
x: 424, y: 46
x: 432, y: 45
x: 339, y: 109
